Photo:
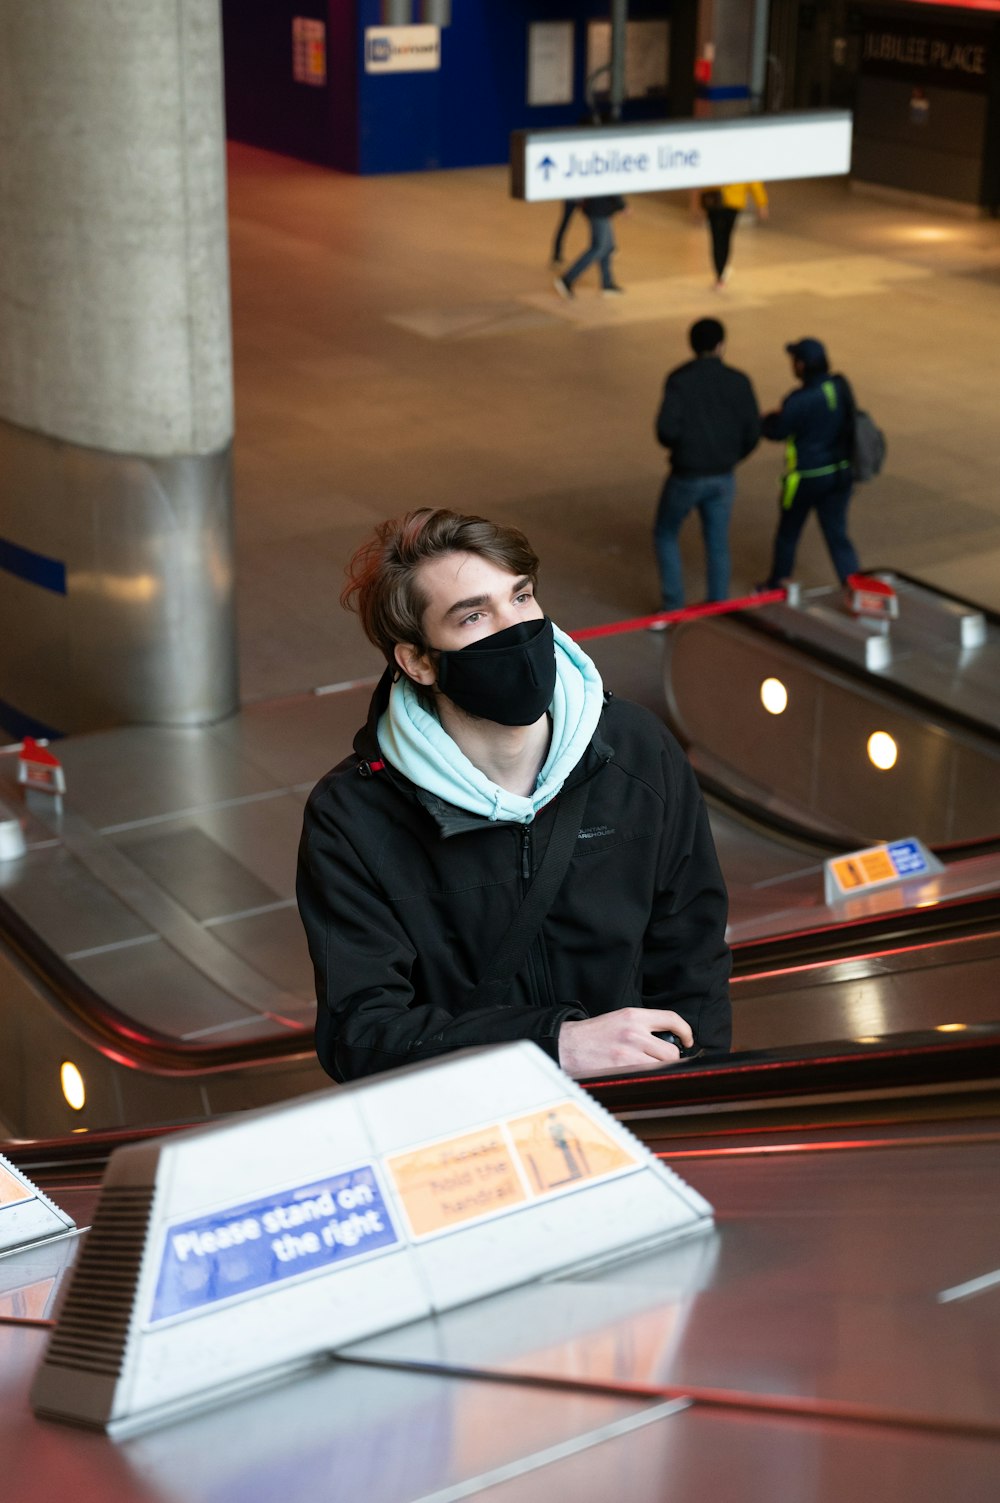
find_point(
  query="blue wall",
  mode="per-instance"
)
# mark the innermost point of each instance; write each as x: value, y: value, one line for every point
x: 460, y: 116
x: 463, y: 115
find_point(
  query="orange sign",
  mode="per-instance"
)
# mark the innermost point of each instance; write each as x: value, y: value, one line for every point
x: 457, y: 1180
x: 12, y: 1192
x: 561, y: 1146
x: 864, y: 869
x: 497, y: 1168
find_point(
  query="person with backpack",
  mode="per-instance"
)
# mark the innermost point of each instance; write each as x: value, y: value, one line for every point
x: 816, y: 424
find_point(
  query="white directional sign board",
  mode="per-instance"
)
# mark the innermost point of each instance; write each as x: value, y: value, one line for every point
x: 588, y: 161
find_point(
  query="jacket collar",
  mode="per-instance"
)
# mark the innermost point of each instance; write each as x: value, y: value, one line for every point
x: 449, y: 820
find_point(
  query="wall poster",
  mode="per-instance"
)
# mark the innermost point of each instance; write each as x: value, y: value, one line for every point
x: 550, y: 62
x: 309, y: 51
x: 647, y: 56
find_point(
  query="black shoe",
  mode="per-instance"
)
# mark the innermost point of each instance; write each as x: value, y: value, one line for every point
x: 563, y: 288
x: 613, y: 291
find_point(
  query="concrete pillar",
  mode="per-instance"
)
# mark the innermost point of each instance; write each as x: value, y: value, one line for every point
x: 727, y: 31
x: 116, y: 414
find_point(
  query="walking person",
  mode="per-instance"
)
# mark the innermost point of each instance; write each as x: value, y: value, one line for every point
x: 724, y: 206
x: 569, y: 208
x: 600, y: 212
x: 816, y: 422
x: 709, y: 422
x: 509, y: 852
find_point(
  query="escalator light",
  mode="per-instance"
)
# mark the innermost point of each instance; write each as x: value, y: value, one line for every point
x: 882, y: 750
x: 72, y: 1085
x: 951, y: 1027
x: 774, y: 696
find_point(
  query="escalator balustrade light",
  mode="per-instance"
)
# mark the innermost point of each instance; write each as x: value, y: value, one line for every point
x: 774, y: 696
x: 950, y: 1027
x: 869, y: 1038
x: 882, y: 750
x: 72, y: 1084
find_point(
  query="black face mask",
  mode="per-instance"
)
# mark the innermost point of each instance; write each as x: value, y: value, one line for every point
x: 508, y: 678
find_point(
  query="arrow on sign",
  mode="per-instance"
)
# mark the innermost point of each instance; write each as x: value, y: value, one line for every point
x: 547, y: 165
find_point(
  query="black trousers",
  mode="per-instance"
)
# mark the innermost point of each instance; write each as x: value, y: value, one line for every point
x: 568, y: 210
x: 721, y: 223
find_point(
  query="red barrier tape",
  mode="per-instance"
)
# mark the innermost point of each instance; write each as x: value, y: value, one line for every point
x: 689, y: 613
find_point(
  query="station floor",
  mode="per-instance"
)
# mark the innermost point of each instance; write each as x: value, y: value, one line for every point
x: 398, y: 343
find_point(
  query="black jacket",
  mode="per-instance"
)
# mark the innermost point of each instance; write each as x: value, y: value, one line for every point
x: 708, y: 418
x: 603, y: 208
x: 404, y: 899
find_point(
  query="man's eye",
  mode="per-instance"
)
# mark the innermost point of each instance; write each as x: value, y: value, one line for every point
x: 471, y: 618
x: 524, y: 598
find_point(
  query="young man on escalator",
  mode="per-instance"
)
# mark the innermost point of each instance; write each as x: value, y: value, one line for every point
x: 509, y: 852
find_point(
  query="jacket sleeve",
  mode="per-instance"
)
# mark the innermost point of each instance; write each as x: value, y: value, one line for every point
x: 759, y: 194
x: 750, y: 434
x: 686, y: 960
x: 781, y: 424
x: 369, y: 1014
x: 669, y: 417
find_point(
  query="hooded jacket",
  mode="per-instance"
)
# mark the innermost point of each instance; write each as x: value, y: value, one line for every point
x: 816, y: 421
x: 405, y: 897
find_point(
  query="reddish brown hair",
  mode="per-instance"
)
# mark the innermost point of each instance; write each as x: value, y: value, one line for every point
x: 382, y: 577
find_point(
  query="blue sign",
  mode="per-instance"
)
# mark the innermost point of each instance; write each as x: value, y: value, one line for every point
x: 908, y: 858
x: 249, y: 1247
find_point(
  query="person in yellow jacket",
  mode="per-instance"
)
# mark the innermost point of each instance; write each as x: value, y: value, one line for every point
x: 723, y: 206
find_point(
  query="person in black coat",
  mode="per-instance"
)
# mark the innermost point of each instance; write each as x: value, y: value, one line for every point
x: 708, y: 420
x: 419, y: 849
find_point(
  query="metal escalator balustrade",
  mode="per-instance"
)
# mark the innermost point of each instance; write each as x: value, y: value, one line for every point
x: 851, y: 751
x: 144, y: 1060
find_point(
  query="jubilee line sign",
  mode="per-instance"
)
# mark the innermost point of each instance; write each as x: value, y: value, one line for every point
x: 588, y: 160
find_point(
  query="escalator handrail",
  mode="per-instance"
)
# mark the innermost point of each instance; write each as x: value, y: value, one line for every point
x: 896, y: 1062
x: 956, y: 918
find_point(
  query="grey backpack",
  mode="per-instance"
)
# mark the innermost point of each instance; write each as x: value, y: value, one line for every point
x: 868, y: 446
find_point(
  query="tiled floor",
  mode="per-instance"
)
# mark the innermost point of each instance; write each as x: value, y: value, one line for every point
x: 398, y: 344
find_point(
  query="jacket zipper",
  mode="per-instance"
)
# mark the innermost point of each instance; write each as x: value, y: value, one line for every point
x: 539, y: 993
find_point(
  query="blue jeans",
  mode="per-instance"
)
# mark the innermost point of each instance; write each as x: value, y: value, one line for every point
x: 829, y: 497
x: 713, y: 497
x: 601, y: 248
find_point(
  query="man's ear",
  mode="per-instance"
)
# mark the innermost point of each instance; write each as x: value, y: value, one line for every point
x: 415, y: 663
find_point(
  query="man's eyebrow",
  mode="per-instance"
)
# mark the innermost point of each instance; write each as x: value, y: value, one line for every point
x: 474, y: 600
